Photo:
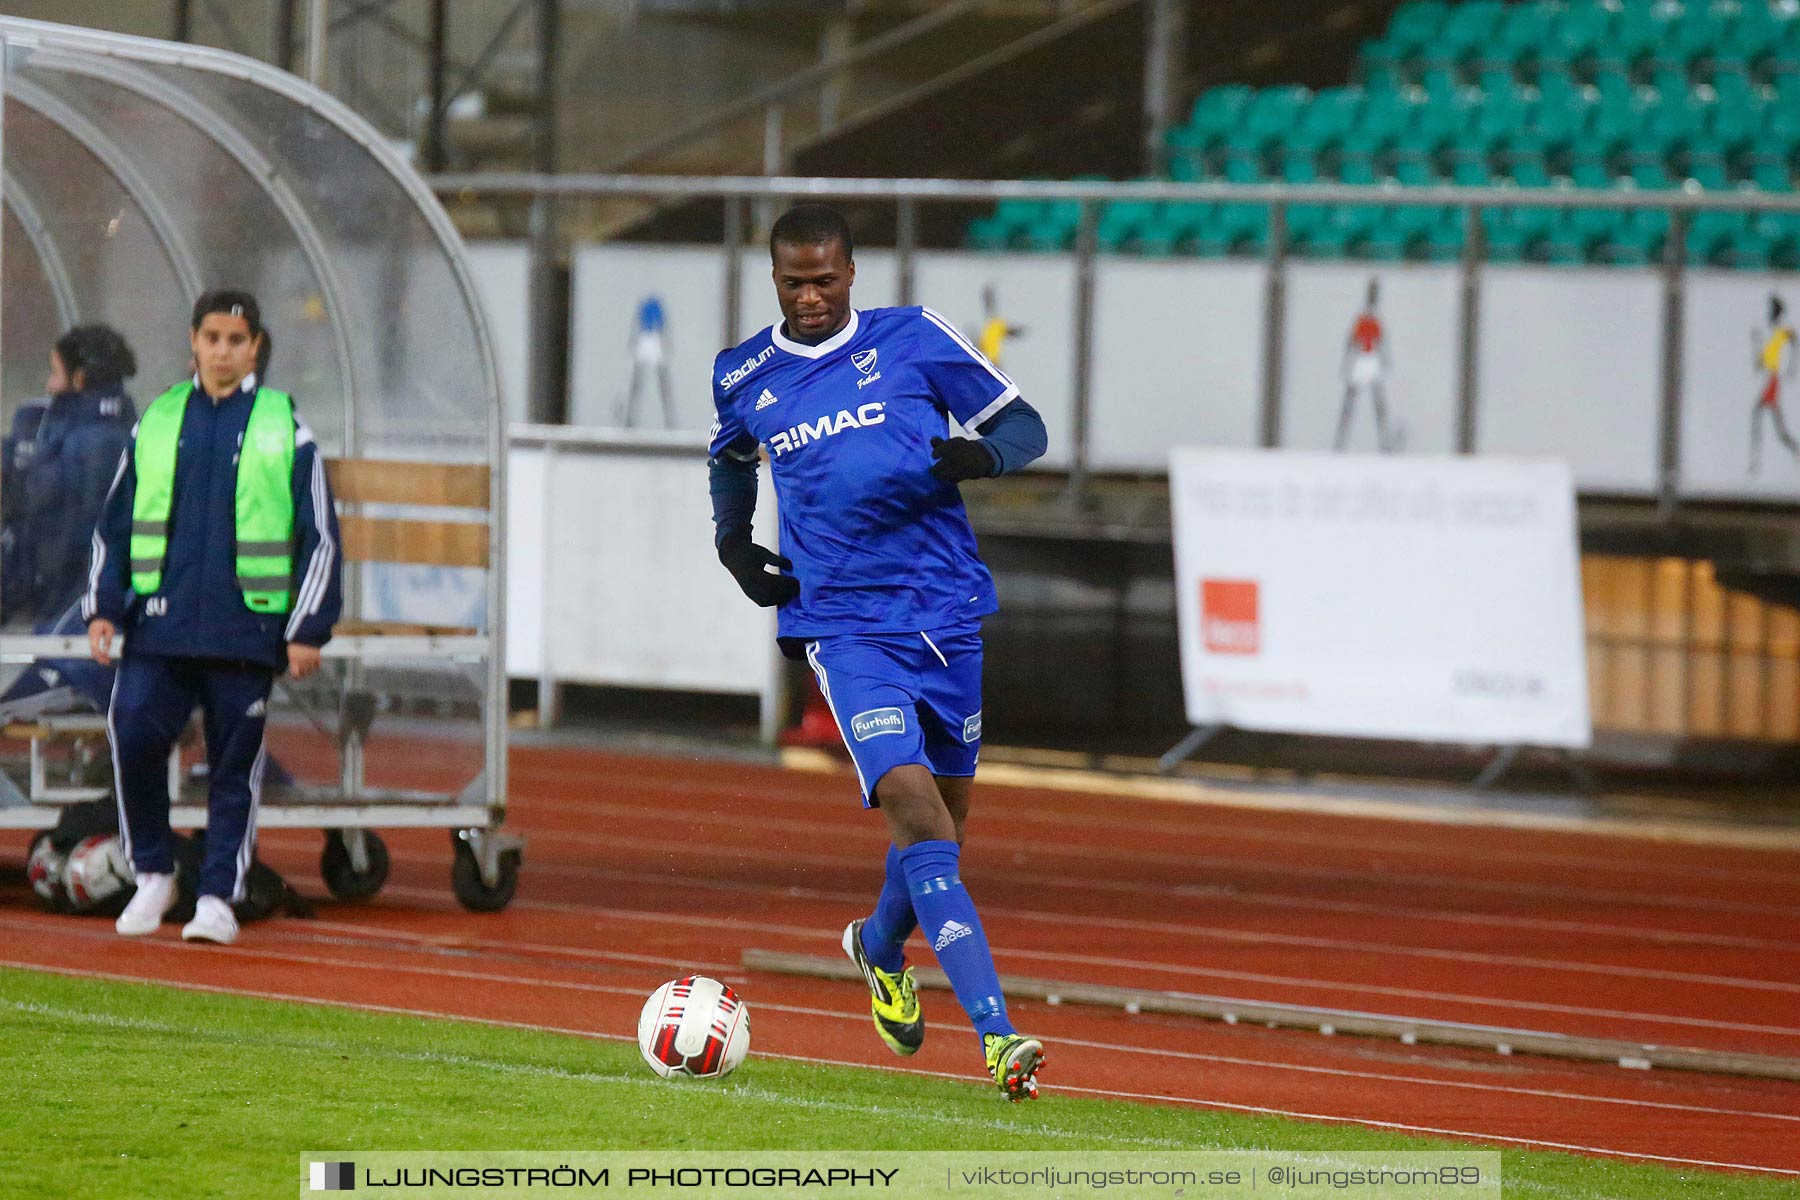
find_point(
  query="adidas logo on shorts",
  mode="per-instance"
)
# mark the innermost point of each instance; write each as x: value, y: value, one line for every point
x: 951, y: 931
x: 257, y: 709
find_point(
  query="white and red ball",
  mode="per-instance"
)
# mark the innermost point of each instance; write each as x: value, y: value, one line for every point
x: 45, y: 869
x: 694, y: 1026
x: 96, y: 871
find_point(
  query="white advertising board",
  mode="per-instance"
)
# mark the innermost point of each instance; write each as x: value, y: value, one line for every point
x: 1424, y: 598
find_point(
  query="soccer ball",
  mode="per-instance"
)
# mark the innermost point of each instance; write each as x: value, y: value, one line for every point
x: 694, y: 1026
x: 96, y: 871
x: 45, y: 869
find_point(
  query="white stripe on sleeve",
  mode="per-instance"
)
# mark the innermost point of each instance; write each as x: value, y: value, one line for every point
x: 318, y: 571
x: 90, y: 603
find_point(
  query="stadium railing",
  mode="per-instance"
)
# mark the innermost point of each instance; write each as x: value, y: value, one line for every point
x: 1474, y: 207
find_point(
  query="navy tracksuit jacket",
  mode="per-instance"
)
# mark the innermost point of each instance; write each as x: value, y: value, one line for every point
x: 195, y: 642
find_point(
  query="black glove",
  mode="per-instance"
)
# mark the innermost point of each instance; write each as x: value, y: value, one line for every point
x: 746, y: 560
x: 958, y: 459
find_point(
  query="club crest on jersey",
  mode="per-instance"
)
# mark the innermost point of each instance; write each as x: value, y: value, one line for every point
x: 864, y: 361
x: 736, y: 375
x: 827, y: 426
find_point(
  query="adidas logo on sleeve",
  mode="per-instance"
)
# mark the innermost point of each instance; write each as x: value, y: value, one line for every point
x: 952, y: 931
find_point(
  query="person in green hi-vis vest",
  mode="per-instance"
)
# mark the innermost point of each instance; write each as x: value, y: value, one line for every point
x: 216, y: 555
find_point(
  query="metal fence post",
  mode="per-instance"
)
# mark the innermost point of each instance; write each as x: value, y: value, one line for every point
x: 1274, y: 327
x: 1674, y: 272
x: 1086, y: 239
x: 734, y: 267
x: 906, y: 244
x: 1468, y: 353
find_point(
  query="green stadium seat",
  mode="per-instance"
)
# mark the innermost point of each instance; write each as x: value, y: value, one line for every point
x: 1712, y: 236
x: 1331, y: 114
x: 1733, y: 129
x: 1471, y: 172
x: 1559, y: 89
x: 1735, y: 93
x: 1575, y: 38
x: 1549, y: 132
x: 1049, y: 237
x: 1186, y: 170
x: 1709, y: 175
x: 1639, y: 31
x: 1020, y: 213
x: 1187, y: 153
x: 1651, y: 176
x: 1772, y: 177
x: 1688, y: 38
x: 1218, y: 109
x: 1242, y: 170
x: 1565, y: 243
x: 1468, y: 27
x: 1415, y: 173
x: 1520, y: 34
x: 1637, y: 240
x: 1123, y: 222
x: 1233, y: 229
x: 1269, y: 117
x: 988, y: 233
x: 1415, y: 26
x: 1590, y: 174
x: 1378, y: 64
x: 1781, y: 231
x: 1181, y: 221
x: 1443, y: 239
x: 1749, y: 251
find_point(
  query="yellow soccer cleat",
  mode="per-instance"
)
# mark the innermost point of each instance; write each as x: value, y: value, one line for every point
x: 1013, y: 1060
x: 892, y: 998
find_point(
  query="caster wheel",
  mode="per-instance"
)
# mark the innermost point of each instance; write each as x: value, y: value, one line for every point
x: 472, y: 892
x: 341, y: 877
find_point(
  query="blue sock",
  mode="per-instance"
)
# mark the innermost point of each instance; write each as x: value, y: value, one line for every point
x: 884, y: 934
x: 948, y: 917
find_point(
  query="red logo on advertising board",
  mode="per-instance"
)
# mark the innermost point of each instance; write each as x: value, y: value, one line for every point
x: 1229, y: 622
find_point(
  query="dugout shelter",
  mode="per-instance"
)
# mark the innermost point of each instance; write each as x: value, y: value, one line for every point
x: 139, y: 173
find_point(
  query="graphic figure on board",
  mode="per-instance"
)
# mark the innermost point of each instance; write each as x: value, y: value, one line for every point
x: 649, y: 356
x: 1366, y: 366
x: 994, y: 330
x: 1773, y: 352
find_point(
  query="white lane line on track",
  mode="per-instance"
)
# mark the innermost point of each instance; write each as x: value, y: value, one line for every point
x: 1262, y: 798
x: 428, y: 941
x: 1231, y: 894
x: 738, y: 850
x: 1264, y: 938
x: 532, y: 802
x: 1110, y: 1048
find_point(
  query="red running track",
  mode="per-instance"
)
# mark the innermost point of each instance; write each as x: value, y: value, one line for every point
x: 638, y: 869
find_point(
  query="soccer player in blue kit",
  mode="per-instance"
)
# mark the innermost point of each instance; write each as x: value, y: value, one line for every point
x: 879, y: 581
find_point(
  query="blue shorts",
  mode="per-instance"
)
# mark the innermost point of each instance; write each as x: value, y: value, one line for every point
x: 902, y: 698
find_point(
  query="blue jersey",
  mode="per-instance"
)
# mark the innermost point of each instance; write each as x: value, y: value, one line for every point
x: 878, y: 545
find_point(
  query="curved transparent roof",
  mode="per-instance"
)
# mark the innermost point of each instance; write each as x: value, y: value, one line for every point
x: 139, y: 173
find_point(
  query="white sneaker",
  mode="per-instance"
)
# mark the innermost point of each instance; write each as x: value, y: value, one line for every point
x: 213, y: 922
x: 155, y: 896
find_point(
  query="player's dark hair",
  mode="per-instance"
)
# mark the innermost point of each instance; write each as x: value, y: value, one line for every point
x: 233, y: 303
x: 812, y: 225
x: 99, y: 352
x: 265, y: 350
x: 1776, y: 308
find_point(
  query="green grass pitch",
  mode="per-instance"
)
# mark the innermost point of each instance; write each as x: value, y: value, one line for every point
x: 116, y: 1089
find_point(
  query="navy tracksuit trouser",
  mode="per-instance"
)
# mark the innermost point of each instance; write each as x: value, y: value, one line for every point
x: 152, y: 699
